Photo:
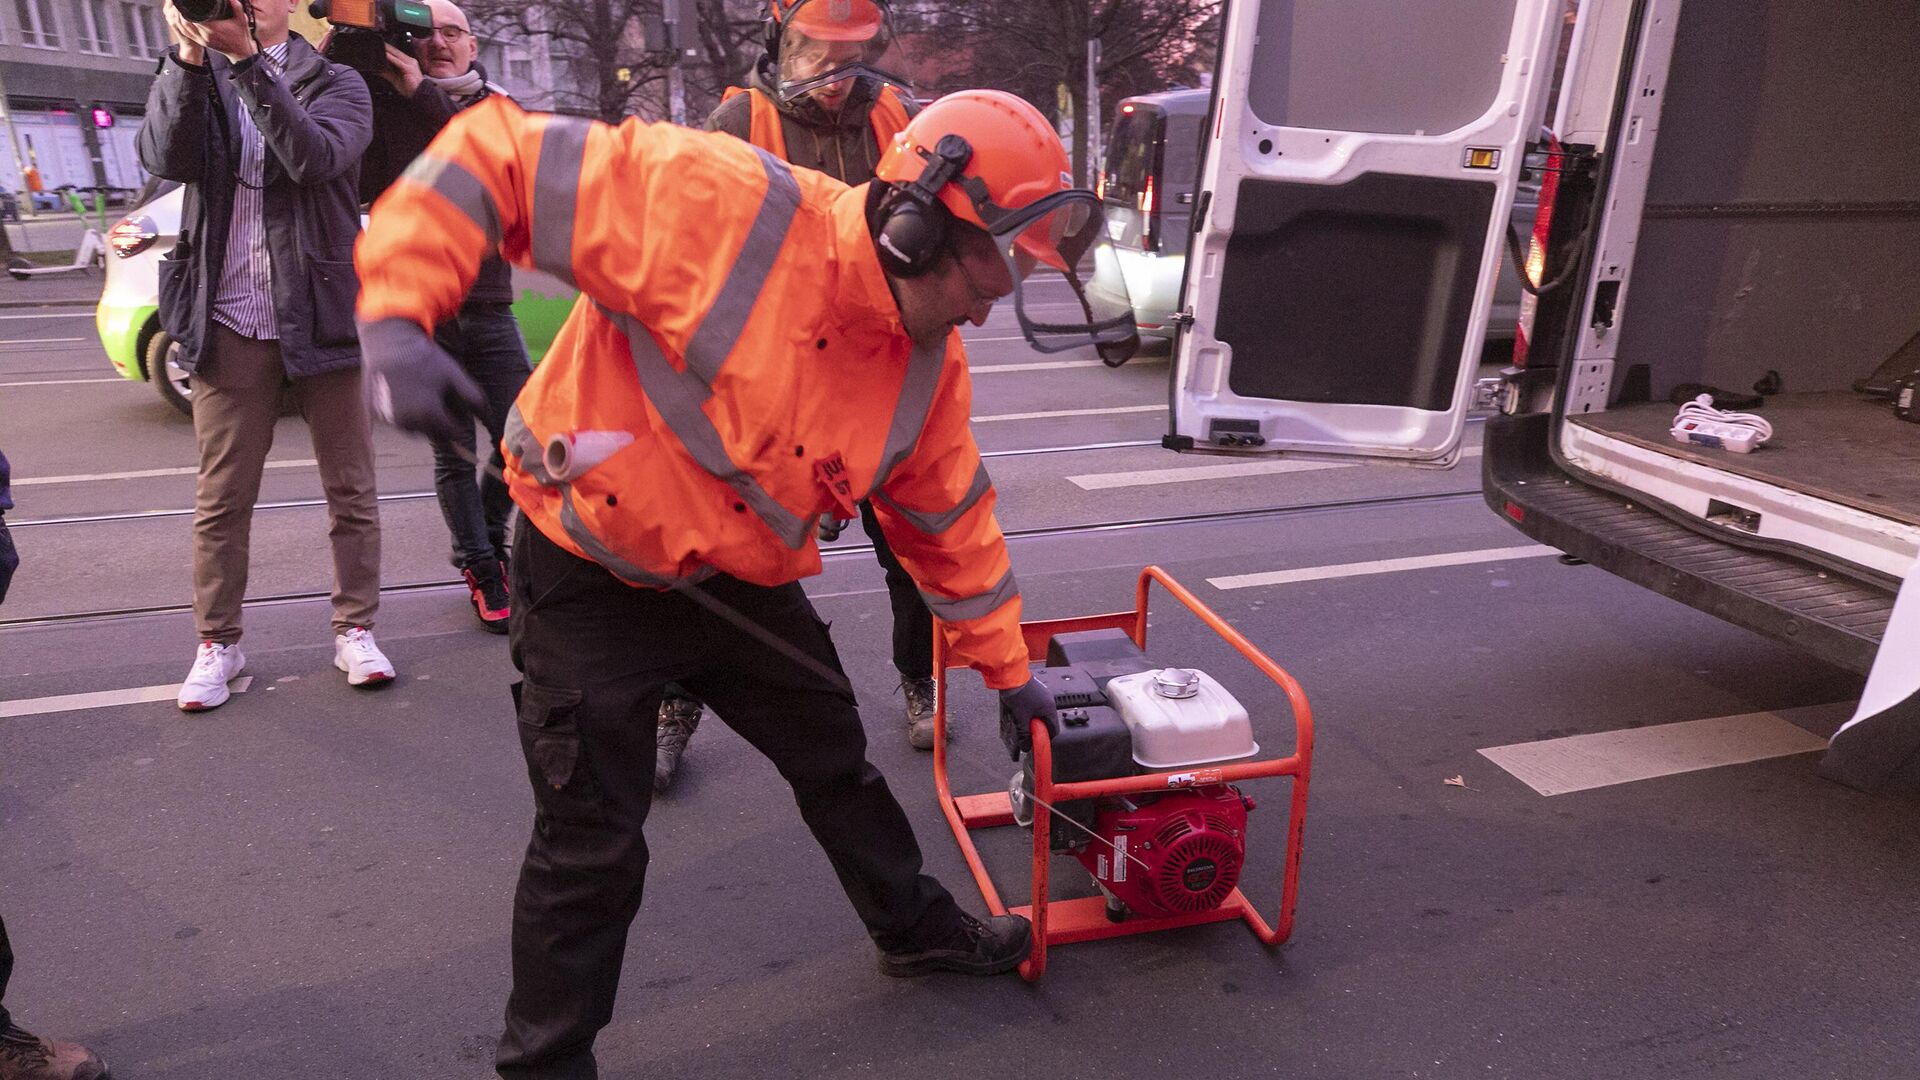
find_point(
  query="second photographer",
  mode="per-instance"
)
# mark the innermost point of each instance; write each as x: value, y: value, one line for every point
x: 412, y: 100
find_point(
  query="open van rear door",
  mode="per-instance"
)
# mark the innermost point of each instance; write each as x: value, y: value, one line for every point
x: 1359, y: 177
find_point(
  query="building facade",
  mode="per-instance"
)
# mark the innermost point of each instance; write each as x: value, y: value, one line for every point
x: 74, y: 75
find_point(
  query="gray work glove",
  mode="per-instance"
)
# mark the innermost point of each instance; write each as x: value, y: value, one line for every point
x: 830, y: 528
x: 1019, y: 707
x: 413, y: 384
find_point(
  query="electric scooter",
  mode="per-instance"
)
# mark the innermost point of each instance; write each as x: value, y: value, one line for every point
x: 92, y: 251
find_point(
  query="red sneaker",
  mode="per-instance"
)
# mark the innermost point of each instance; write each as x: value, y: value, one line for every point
x: 489, y: 599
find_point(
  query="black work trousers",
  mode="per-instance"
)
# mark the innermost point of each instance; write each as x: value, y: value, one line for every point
x: 597, y: 655
x: 912, y: 619
x: 6, y: 972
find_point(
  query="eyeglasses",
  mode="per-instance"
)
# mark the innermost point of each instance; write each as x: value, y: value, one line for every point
x: 451, y: 34
x: 983, y: 295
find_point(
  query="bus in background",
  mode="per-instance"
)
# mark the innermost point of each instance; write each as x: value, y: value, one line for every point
x: 1153, y: 159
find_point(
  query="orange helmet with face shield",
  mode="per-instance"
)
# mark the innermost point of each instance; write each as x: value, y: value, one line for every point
x: 988, y: 159
x: 831, y: 20
x: 1017, y: 161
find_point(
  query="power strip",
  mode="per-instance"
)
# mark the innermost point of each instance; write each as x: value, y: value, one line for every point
x: 1700, y: 424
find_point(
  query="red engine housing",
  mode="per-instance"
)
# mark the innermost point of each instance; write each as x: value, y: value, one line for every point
x: 1177, y: 854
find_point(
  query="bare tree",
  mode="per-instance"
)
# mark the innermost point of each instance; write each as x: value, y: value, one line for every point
x: 1038, y: 49
x: 599, y: 47
x: 611, y: 56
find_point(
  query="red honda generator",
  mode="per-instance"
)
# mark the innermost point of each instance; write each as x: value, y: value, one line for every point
x: 1137, y: 777
x: 1163, y: 853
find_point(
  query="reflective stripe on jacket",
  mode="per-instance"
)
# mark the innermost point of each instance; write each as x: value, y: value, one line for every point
x: 887, y: 116
x: 736, y: 338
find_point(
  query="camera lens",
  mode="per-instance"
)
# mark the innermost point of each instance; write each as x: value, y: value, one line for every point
x: 203, y: 10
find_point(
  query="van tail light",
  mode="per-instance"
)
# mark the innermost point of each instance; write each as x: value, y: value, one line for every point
x: 1536, y: 267
x: 132, y: 235
x: 1150, y: 227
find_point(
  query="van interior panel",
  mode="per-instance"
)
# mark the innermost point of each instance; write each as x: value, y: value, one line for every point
x: 1782, y: 227
x: 1378, y: 65
x: 1324, y: 286
x: 1835, y: 445
x: 1782, y: 233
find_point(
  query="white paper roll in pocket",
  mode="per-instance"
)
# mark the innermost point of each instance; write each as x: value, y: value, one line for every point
x: 571, y: 454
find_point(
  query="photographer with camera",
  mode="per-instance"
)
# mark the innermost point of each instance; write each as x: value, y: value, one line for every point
x: 413, y: 98
x: 259, y: 292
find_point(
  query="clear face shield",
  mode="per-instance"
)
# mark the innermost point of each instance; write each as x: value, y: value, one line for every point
x: 825, y: 45
x: 1068, y: 292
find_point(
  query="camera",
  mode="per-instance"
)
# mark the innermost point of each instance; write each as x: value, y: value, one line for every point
x: 363, y: 28
x: 202, y: 11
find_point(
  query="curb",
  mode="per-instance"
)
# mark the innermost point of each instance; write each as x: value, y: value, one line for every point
x: 47, y: 303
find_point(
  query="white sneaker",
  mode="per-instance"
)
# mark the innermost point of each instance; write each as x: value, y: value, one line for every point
x: 355, y: 653
x: 206, y: 685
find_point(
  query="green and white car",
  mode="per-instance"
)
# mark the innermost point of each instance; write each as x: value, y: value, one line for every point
x: 128, y: 314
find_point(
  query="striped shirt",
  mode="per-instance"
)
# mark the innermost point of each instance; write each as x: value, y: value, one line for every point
x: 243, y: 302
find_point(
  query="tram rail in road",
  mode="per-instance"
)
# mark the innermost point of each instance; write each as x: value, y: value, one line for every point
x: 1013, y: 536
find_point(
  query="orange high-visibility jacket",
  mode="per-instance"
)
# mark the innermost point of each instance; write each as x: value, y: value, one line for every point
x: 888, y: 116
x: 736, y: 348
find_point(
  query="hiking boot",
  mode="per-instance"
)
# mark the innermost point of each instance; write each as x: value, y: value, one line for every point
x: 679, y: 718
x: 975, y: 947
x: 214, y: 666
x: 24, y: 1056
x: 355, y: 653
x: 919, y: 694
x: 487, y: 592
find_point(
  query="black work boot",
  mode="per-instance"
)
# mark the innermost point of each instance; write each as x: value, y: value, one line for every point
x: 973, y: 948
x: 679, y: 718
x: 25, y: 1056
x: 919, y: 695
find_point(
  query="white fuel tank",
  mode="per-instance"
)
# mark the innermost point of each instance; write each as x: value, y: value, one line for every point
x: 1181, y: 717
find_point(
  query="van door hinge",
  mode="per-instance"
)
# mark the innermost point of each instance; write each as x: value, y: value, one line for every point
x: 1183, y: 318
x: 1489, y: 394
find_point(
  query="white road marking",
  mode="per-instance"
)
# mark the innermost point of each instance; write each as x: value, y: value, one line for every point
x: 102, y: 699
x: 1381, y: 566
x: 1056, y: 365
x: 142, y: 474
x: 1038, y: 365
x: 1584, y: 762
x: 42, y: 341
x: 61, y: 382
x: 87, y: 314
x: 1110, y: 410
x: 1145, y: 477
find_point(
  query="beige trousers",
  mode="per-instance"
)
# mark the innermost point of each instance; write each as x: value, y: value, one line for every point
x: 236, y: 399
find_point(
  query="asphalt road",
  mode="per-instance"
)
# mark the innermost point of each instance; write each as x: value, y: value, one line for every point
x: 313, y: 882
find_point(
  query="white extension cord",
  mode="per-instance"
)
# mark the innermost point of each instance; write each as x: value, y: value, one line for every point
x: 1700, y: 424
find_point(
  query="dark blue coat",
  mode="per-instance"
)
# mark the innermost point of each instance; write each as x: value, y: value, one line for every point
x: 317, y: 119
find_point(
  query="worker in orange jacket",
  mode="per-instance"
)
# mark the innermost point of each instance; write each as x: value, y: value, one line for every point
x: 819, y: 99
x: 755, y: 348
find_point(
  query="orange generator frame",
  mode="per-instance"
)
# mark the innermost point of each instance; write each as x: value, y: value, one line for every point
x: 1066, y: 921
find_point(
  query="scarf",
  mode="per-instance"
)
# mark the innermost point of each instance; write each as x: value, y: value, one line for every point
x: 467, y: 87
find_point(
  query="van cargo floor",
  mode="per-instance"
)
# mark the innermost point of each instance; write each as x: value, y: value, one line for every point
x: 1836, y: 445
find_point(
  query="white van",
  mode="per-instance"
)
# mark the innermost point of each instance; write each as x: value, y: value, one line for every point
x: 1731, y: 205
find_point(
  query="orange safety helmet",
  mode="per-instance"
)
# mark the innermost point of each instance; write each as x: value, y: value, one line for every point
x: 990, y: 160
x: 831, y: 20
x: 1017, y: 160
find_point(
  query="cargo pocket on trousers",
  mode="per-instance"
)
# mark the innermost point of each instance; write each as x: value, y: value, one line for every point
x: 335, y: 287
x: 563, y: 785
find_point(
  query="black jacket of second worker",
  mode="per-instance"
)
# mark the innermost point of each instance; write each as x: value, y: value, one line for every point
x: 841, y: 146
x: 402, y: 128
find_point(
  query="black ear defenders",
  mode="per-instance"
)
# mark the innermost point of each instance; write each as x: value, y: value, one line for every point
x: 909, y: 222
